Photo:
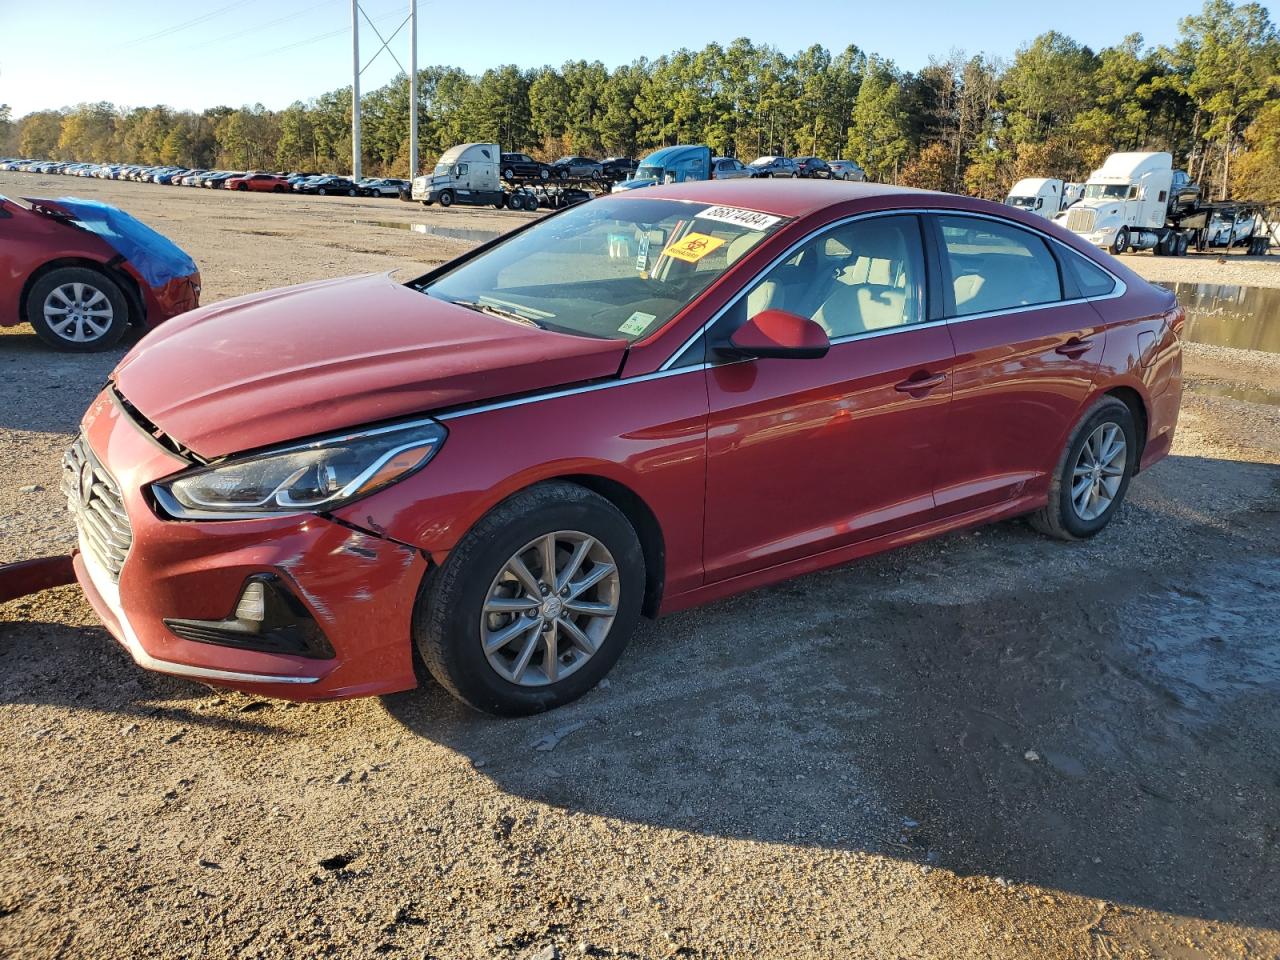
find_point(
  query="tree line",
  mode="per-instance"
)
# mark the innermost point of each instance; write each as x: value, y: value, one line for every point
x: 963, y: 123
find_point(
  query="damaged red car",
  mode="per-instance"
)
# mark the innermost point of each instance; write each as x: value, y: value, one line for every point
x: 638, y: 404
x: 80, y: 272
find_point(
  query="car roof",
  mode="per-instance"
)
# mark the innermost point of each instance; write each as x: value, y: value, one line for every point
x: 786, y: 198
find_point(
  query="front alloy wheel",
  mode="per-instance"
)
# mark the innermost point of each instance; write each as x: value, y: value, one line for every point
x: 535, y: 604
x: 550, y: 608
x: 77, y: 309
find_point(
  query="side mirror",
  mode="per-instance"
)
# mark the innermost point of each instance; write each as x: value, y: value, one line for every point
x: 778, y: 334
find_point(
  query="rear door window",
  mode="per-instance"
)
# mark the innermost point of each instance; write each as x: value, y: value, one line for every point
x: 996, y: 266
x: 1091, y: 279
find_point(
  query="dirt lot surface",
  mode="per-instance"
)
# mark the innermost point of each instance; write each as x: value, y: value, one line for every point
x: 989, y: 746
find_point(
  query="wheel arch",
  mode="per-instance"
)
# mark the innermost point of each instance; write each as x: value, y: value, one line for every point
x: 137, y: 308
x: 645, y: 523
x: 1137, y: 405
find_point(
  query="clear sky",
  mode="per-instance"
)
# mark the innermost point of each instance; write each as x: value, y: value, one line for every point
x: 141, y: 52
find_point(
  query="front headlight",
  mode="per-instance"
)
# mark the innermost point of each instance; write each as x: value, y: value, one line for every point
x: 316, y: 476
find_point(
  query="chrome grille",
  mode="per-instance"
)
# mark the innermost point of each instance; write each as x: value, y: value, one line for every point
x: 97, y: 507
x: 1081, y: 219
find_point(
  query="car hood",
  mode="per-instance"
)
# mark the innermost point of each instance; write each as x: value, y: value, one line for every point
x: 305, y: 360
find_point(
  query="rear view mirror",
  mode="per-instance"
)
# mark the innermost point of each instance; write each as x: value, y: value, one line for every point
x: 778, y: 334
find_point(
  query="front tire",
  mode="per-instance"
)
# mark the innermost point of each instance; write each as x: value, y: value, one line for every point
x: 78, y: 310
x: 446, y: 198
x: 1093, y: 473
x: 535, y: 604
x: 1121, y: 242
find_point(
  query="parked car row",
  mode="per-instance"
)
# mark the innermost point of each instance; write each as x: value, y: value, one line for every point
x: 259, y: 181
x: 686, y: 162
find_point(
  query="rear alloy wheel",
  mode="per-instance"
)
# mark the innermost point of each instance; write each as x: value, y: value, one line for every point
x: 535, y: 604
x: 508, y: 174
x: 1093, y: 473
x: 351, y: 192
x: 77, y: 309
x: 321, y: 191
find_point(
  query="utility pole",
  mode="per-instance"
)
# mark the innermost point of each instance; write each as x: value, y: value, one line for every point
x: 413, y: 88
x: 355, y: 89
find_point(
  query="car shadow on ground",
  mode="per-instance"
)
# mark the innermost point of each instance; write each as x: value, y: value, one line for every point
x: 83, y: 669
x: 1095, y: 718
x: 1109, y: 731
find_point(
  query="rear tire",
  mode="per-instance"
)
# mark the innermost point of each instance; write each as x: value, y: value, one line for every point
x: 52, y: 310
x: 1063, y: 516
x: 450, y: 623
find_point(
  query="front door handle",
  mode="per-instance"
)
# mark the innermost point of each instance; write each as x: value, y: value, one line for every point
x: 921, y: 383
x: 1075, y: 347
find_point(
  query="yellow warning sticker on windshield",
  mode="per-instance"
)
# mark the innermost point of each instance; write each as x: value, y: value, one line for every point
x: 692, y: 247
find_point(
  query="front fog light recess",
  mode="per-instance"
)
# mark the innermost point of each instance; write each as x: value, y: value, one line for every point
x: 268, y: 618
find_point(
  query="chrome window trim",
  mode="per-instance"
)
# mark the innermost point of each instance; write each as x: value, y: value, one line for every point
x: 1118, y: 291
x: 668, y: 368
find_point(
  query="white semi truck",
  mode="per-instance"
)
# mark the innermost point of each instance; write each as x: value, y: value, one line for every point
x: 1039, y: 195
x: 1137, y: 201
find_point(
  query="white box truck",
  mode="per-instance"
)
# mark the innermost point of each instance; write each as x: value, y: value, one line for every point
x: 1039, y: 195
x: 1137, y: 201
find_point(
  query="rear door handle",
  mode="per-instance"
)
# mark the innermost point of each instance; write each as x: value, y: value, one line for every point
x: 1075, y: 347
x: 920, y: 384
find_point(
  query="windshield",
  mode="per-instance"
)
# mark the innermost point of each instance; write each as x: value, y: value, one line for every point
x: 762, y: 161
x: 443, y: 169
x: 613, y: 268
x: 1025, y: 202
x: 1106, y: 191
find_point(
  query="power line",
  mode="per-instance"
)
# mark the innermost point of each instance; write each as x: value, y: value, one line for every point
x: 307, y: 41
x: 177, y: 27
x: 257, y: 27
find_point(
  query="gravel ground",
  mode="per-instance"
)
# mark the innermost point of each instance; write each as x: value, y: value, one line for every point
x: 987, y: 746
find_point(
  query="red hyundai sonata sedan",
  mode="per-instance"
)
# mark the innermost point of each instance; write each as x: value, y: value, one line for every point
x: 638, y: 404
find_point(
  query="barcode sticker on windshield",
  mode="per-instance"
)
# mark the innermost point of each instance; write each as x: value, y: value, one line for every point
x: 739, y: 218
x: 637, y: 324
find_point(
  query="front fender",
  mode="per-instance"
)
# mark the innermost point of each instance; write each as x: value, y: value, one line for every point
x: 647, y: 435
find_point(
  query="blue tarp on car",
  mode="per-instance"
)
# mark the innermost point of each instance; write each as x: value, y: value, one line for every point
x: 154, y: 255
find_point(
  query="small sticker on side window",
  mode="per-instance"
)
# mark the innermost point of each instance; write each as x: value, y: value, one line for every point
x: 740, y: 218
x: 637, y: 323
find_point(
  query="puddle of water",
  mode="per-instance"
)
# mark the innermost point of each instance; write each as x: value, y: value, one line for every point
x: 1215, y: 639
x: 452, y: 233
x: 1235, y: 392
x: 1229, y: 315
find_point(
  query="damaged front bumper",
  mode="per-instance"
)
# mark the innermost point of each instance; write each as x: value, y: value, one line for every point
x: 179, y: 581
